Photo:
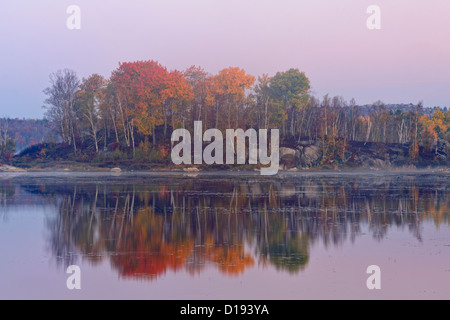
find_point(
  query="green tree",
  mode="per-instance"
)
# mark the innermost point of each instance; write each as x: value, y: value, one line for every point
x: 291, y: 88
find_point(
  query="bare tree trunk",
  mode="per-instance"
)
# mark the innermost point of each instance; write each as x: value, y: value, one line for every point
x: 237, y: 117
x: 90, y: 118
x: 115, y: 128
x: 173, y: 123
x: 292, y: 121
x: 74, y: 139
x: 369, y: 127
x: 132, y: 137
x: 217, y: 115
x: 154, y: 136
x: 165, y: 124
x: 205, y: 118
x: 229, y: 116
x: 104, y: 141
x: 125, y: 129
x: 266, y: 118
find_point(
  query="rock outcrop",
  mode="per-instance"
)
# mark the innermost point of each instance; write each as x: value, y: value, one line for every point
x: 305, y: 156
x: 310, y: 156
x: 369, y: 155
x: 443, y: 150
x: 373, y: 163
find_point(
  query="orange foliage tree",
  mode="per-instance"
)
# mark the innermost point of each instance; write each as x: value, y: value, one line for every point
x: 230, y: 85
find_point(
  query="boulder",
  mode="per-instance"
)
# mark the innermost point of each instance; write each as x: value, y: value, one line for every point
x: 6, y: 168
x: 304, y: 156
x: 310, y: 156
x: 288, y: 158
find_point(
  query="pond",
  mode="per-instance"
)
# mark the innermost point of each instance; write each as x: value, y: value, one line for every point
x: 215, y: 235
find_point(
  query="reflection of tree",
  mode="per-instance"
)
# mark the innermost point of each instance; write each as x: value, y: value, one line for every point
x: 230, y: 259
x: 146, y: 229
x: 75, y: 228
x: 141, y: 248
x: 7, y: 191
x: 12, y: 195
x: 280, y: 242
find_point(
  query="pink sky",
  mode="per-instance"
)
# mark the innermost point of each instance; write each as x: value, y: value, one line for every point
x: 406, y: 61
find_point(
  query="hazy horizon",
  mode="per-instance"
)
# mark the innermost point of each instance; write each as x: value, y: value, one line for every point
x: 404, y: 62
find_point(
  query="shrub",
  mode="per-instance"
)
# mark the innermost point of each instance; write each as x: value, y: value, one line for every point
x: 154, y: 156
x: 118, y: 155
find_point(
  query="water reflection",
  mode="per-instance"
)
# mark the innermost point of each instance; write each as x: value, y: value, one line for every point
x: 147, y: 226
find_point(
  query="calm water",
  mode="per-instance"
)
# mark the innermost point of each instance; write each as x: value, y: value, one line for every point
x: 225, y: 236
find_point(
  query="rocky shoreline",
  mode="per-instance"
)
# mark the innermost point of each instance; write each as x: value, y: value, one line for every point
x: 365, y: 155
x: 7, y: 168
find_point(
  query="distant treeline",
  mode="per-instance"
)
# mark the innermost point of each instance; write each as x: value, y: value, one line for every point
x: 19, y: 134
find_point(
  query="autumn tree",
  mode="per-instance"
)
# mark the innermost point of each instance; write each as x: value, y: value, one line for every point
x: 230, y: 86
x: 203, y: 96
x: 353, y: 115
x: 87, y: 104
x: 414, y: 131
x: 151, y: 95
x: 114, y: 112
x: 176, y: 95
x: 60, y: 104
x: 139, y: 88
x: 108, y: 113
x: 433, y: 129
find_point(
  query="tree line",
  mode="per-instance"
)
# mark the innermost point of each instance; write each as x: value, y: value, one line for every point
x: 143, y: 101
